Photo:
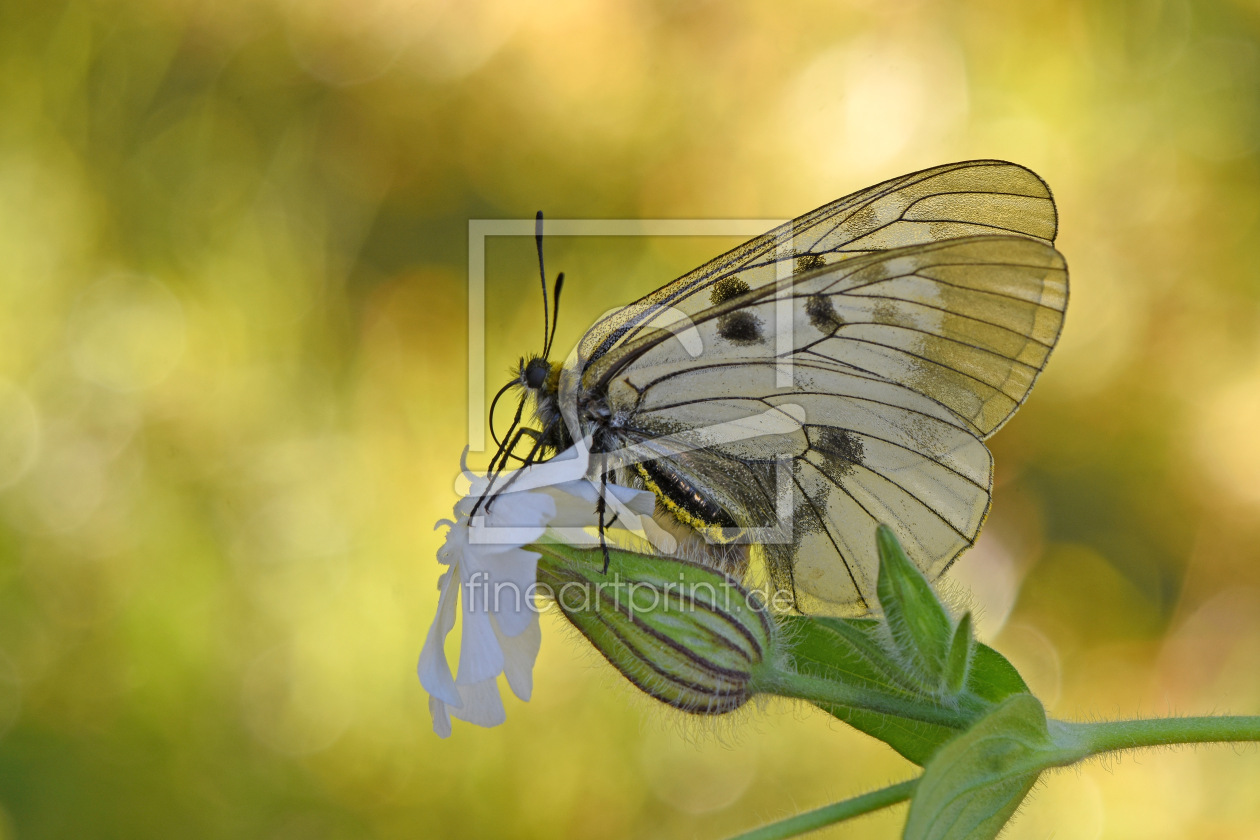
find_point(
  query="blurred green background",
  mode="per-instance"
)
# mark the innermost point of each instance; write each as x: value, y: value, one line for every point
x: 233, y: 390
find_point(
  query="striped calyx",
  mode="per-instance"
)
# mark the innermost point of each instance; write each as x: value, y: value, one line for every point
x: 683, y: 633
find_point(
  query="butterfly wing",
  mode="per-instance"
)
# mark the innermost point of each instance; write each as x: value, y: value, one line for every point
x: 897, y: 364
x: 945, y: 202
x: 968, y: 323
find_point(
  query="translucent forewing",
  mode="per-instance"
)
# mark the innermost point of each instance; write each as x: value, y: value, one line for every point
x: 945, y: 202
x: 920, y: 313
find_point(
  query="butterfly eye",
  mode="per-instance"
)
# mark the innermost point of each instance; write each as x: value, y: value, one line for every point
x: 536, y: 373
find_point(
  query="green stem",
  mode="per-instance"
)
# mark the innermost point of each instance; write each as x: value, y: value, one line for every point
x: 819, y: 690
x: 834, y: 813
x: 1107, y: 736
x: 1077, y: 741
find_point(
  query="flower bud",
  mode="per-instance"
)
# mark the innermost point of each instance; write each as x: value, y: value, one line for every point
x: 683, y: 633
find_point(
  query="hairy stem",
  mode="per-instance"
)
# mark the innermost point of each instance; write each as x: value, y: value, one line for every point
x: 818, y: 690
x: 834, y: 813
x: 1107, y: 736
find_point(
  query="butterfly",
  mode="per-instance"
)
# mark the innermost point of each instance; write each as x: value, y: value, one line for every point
x: 839, y: 371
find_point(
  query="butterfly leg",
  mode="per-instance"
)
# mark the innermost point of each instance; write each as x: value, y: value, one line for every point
x: 601, y: 506
x: 488, y: 497
x: 500, y: 459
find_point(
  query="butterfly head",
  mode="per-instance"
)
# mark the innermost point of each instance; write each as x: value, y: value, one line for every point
x: 539, y: 382
x: 534, y: 373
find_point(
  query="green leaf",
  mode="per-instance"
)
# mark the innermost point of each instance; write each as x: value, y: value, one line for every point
x: 974, y: 784
x: 849, y: 651
x: 867, y: 654
x: 863, y: 637
x: 992, y: 678
x: 919, y: 625
x: 959, y: 658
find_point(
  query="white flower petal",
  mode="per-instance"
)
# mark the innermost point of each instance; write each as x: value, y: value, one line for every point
x: 514, y: 519
x: 434, y: 670
x: 480, y: 657
x: 497, y: 540
x: 500, y: 631
x: 444, y: 579
x: 522, y: 510
x: 527, y: 507
x: 455, y: 546
x: 575, y: 498
x: 441, y: 720
x: 570, y: 465
x: 484, y: 538
x: 520, y: 652
x: 509, y: 595
x: 642, y: 502
x: 481, y: 704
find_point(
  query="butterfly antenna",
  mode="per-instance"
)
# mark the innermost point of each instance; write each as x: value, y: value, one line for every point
x: 555, y: 314
x: 542, y: 275
x: 493, y: 403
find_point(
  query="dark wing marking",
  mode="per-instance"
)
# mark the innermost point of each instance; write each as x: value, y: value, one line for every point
x: 968, y: 323
x: 865, y: 451
x: 900, y: 363
x: 946, y: 202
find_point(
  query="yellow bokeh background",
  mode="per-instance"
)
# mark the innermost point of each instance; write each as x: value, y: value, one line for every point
x: 234, y: 390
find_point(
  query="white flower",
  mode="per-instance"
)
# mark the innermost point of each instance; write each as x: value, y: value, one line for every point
x: 493, y: 576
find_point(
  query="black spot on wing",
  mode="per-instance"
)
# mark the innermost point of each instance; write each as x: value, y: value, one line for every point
x: 740, y: 328
x: 970, y: 195
x: 727, y: 288
x: 838, y: 450
x: 808, y: 262
x: 822, y: 314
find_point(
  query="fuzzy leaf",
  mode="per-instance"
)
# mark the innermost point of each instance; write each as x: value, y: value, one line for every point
x: 973, y: 785
x: 992, y: 677
x: 848, y: 651
x: 919, y: 625
x: 959, y: 658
